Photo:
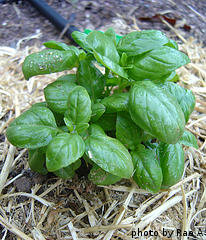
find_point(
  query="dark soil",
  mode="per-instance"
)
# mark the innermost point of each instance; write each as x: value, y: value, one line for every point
x: 18, y: 19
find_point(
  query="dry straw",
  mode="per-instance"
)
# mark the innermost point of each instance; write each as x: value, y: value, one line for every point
x: 75, y: 209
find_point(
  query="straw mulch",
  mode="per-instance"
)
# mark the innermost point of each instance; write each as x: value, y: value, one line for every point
x: 76, y: 209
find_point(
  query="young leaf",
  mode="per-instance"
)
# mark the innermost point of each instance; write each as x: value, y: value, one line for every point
x: 156, y: 111
x: 80, y: 39
x: 97, y: 111
x: 171, y: 158
x: 138, y: 42
x: 49, y: 61
x: 116, y: 102
x: 64, y: 150
x: 105, y: 52
x: 79, y: 105
x: 127, y: 132
x: 185, y: 97
x: 32, y: 129
x: 100, y: 177
x: 56, y: 93
x: 173, y: 77
x: 68, y: 172
x: 90, y: 78
x: 156, y: 64
x: 37, y: 160
x: 172, y: 44
x: 108, y: 153
x: 111, y: 34
x: 57, y: 45
x: 148, y: 173
x: 188, y: 139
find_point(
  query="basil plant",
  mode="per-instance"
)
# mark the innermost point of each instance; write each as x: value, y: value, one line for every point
x: 122, y: 112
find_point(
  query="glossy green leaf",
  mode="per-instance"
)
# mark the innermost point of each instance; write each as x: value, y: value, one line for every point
x: 80, y: 39
x: 156, y: 64
x: 90, y: 78
x: 127, y: 132
x: 79, y: 105
x: 185, y: 97
x: 116, y: 102
x: 37, y: 160
x: 56, y: 93
x: 64, y: 150
x: 139, y: 42
x: 57, y: 45
x: 188, y: 139
x: 105, y: 52
x: 97, y: 111
x: 71, y: 78
x: 172, y: 44
x: 156, y: 111
x: 100, y: 177
x: 81, y: 127
x: 173, y: 77
x: 69, y: 124
x: 148, y: 173
x: 32, y: 129
x: 68, y: 172
x: 111, y: 34
x: 108, y: 153
x: 171, y: 158
x: 63, y: 47
x: 39, y: 104
x: 107, y: 121
x: 49, y: 61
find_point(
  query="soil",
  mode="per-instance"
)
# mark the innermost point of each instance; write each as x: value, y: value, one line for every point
x: 19, y: 19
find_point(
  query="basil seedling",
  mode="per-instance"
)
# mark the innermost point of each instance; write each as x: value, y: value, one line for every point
x: 126, y: 120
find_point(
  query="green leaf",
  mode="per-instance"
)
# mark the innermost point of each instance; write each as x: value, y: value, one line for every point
x: 56, y: 93
x: 57, y: 45
x: 90, y: 78
x: 39, y: 104
x: 63, y: 47
x: 105, y: 52
x: 69, y: 124
x: 100, y: 177
x: 127, y: 132
x: 111, y: 34
x: 97, y: 111
x: 68, y: 172
x: 171, y: 158
x: 173, y: 77
x: 116, y: 102
x: 139, y: 42
x: 148, y: 173
x: 156, y: 111
x: 156, y: 64
x: 108, y: 153
x: 81, y: 127
x: 79, y: 105
x: 32, y: 129
x: 37, y: 160
x: 49, y: 61
x: 188, y: 139
x: 107, y: 121
x: 64, y: 150
x: 80, y: 39
x: 185, y: 97
x: 172, y: 44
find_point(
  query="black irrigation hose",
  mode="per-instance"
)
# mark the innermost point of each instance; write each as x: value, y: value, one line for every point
x: 57, y: 20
